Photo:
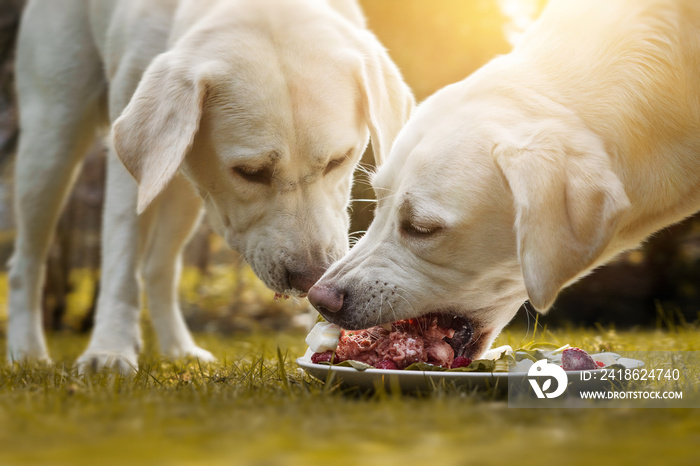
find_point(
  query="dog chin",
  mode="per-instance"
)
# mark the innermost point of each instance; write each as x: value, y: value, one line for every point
x: 276, y: 282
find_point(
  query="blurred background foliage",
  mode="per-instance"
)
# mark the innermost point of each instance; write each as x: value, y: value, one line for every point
x: 434, y: 43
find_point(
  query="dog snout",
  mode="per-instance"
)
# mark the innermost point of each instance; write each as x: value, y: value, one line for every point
x: 326, y: 299
x: 303, y: 281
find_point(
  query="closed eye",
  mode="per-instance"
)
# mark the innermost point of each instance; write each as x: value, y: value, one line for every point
x: 414, y: 230
x: 333, y: 164
x: 254, y: 175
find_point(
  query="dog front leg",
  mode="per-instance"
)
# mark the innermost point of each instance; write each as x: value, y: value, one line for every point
x: 116, y: 337
x: 176, y: 213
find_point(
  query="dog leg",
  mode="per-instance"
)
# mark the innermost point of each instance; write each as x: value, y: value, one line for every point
x: 60, y: 103
x: 176, y: 214
x: 116, y: 337
x: 44, y: 176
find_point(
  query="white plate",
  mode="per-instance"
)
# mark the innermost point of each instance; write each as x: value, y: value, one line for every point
x: 420, y: 380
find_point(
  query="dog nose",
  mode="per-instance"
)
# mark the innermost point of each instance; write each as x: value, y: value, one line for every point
x: 303, y: 281
x: 326, y: 299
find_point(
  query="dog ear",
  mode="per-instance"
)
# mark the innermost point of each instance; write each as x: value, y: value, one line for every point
x: 568, y: 203
x: 387, y: 101
x: 156, y: 129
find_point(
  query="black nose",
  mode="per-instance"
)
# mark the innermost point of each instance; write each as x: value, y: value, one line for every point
x: 303, y: 281
x: 326, y: 299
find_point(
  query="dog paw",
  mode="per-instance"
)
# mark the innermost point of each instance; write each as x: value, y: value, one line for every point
x: 18, y: 357
x: 22, y: 355
x: 94, y: 361
x: 193, y: 352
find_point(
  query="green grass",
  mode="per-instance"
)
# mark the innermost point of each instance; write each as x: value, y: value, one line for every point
x: 250, y: 409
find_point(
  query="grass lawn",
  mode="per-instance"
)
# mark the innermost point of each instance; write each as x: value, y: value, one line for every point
x: 250, y: 409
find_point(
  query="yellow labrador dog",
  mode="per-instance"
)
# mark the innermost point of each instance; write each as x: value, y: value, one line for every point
x: 541, y: 166
x: 258, y: 109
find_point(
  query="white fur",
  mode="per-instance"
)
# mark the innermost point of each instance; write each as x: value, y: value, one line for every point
x: 199, y: 94
x: 539, y: 167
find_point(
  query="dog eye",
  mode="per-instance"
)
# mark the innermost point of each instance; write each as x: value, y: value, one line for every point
x: 418, y: 231
x: 254, y: 175
x: 333, y: 164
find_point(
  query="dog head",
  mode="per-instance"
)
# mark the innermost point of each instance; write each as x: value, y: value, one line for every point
x: 267, y: 115
x: 488, y: 199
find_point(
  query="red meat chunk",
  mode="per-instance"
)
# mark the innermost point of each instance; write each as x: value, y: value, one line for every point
x: 389, y: 365
x: 576, y: 359
x: 460, y: 361
x: 322, y: 357
x: 408, y: 342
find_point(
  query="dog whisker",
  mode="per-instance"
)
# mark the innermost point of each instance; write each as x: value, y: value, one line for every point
x: 393, y: 312
x: 366, y: 169
x: 399, y: 294
x: 379, y: 312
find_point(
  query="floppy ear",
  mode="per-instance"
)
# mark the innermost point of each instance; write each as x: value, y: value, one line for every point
x: 568, y: 203
x: 156, y: 129
x: 387, y: 102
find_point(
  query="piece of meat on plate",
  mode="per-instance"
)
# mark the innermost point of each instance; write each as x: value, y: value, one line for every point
x: 405, y: 343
